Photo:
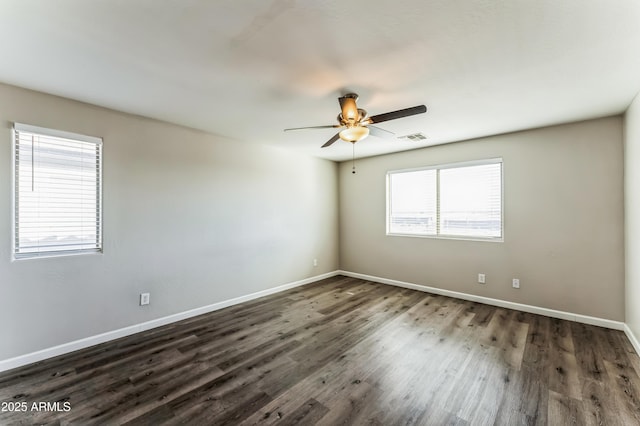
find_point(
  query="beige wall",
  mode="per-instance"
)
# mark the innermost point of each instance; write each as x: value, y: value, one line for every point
x: 632, y: 215
x: 190, y: 217
x: 196, y: 219
x: 563, y: 221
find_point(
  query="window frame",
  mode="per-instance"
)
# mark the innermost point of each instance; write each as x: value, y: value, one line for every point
x: 438, y: 167
x: 99, y: 142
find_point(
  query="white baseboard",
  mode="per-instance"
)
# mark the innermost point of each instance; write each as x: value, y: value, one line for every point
x: 632, y: 338
x: 32, y: 357
x: 615, y: 325
x: 29, y: 358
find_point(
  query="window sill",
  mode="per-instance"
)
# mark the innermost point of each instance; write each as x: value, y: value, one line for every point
x: 450, y: 237
x: 20, y: 258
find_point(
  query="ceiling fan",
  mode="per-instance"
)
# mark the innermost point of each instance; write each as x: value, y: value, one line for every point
x: 357, y: 123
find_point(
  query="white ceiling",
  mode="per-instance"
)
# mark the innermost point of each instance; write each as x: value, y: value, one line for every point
x: 248, y: 69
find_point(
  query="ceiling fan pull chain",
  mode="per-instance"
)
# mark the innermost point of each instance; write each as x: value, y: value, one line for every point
x: 353, y: 160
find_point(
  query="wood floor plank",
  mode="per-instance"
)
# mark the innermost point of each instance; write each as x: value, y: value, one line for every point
x: 590, y: 358
x: 504, y: 331
x: 623, y: 378
x: 599, y: 408
x: 342, y: 351
x: 478, y: 400
x: 357, y: 405
x: 147, y: 396
x: 563, y: 369
x: 525, y: 400
x: 565, y: 411
x: 310, y: 412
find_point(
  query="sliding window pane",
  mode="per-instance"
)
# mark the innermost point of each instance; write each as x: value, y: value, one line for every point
x: 412, y: 202
x: 471, y: 201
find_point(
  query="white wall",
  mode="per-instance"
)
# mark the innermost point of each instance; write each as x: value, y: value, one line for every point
x: 632, y: 215
x: 190, y: 217
x: 563, y: 221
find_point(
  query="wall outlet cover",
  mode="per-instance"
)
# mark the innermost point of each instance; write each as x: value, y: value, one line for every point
x: 144, y: 299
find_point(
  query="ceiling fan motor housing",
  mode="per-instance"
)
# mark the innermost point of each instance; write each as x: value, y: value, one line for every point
x: 360, y: 117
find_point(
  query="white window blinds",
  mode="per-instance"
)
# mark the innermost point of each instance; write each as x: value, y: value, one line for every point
x: 413, y: 202
x: 461, y: 200
x: 58, y: 188
x: 471, y: 201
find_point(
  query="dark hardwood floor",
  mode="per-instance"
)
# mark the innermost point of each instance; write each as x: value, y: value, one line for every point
x: 342, y: 351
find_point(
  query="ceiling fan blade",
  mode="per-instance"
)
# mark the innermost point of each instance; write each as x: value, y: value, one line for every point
x: 381, y: 133
x: 332, y: 140
x: 328, y: 126
x: 397, y: 114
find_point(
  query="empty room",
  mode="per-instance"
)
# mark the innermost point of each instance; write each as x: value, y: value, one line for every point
x: 342, y: 212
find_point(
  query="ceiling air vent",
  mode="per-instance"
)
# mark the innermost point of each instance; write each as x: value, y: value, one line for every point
x: 413, y: 137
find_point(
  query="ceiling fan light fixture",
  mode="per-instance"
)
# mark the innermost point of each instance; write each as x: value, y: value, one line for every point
x: 354, y: 134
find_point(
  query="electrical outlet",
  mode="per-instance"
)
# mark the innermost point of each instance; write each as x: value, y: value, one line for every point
x: 144, y: 298
x: 315, y: 262
x: 515, y: 283
x: 481, y: 278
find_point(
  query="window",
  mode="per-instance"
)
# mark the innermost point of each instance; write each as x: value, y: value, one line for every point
x: 461, y: 200
x: 58, y: 193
